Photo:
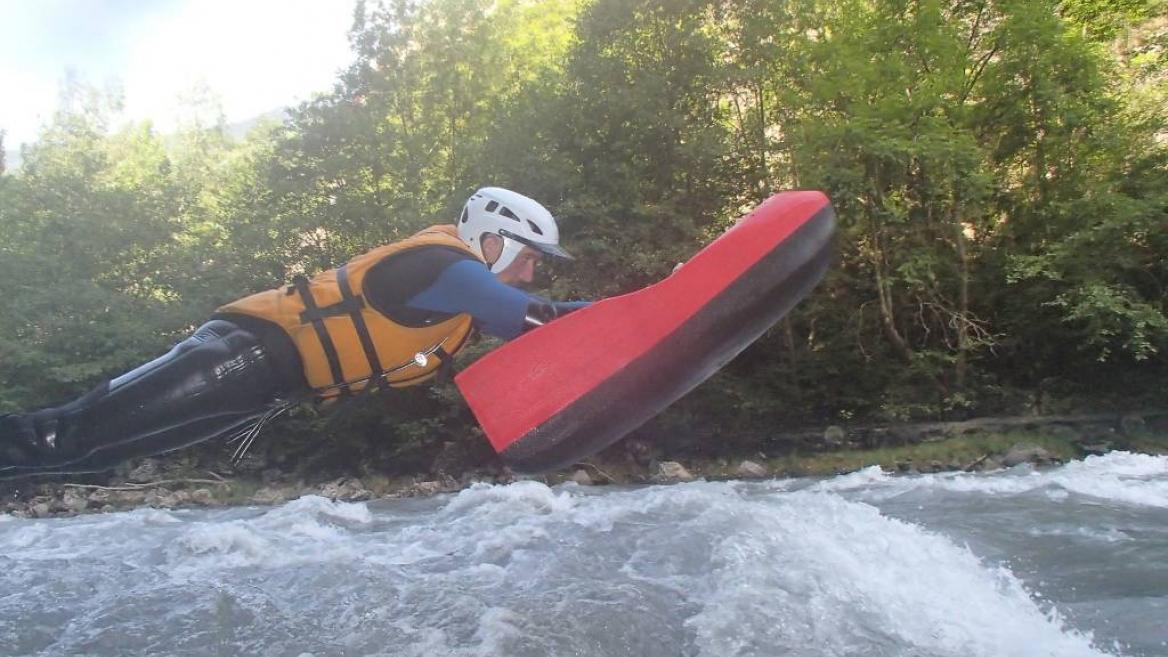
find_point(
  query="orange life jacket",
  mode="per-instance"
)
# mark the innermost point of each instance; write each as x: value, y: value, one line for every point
x: 344, y: 343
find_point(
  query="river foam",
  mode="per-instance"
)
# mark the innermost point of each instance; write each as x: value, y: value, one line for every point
x: 1119, y: 477
x: 718, y: 569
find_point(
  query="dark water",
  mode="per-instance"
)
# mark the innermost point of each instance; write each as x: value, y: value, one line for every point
x: 1066, y: 562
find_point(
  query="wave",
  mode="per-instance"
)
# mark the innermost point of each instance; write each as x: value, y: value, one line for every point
x: 1120, y: 477
x: 705, y: 568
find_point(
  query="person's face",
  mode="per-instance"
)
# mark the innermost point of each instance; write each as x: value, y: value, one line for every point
x: 521, y: 271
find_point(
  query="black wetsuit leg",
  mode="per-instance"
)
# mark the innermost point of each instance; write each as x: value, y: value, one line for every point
x: 219, y: 380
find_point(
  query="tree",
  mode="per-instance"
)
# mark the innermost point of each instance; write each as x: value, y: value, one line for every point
x: 81, y: 225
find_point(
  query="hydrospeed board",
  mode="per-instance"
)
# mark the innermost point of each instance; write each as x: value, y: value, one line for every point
x: 569, y: 389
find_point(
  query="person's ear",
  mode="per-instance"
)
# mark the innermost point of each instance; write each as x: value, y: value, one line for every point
x: 492, y: 247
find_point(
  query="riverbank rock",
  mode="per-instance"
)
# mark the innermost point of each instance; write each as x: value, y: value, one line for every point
x: 582, y: 477
x: 669, y: 471
x: 984, y: 463
x: 98, y: 498
x: 425, y: 488
x: 751, y: 470
x: 73, y: 501
x: 1026, y: 453
x: 128, y: 498
x: 161, y: 498
x: 1096, y: 449
x: 272, y: 495
x: 346, y: 488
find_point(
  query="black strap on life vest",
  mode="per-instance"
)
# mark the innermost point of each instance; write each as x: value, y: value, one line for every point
x: 350, y: 305
x: 356, y: 302
x: 446, y: 368
x: 315, y: 316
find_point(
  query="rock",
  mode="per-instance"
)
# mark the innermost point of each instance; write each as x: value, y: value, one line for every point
x: 505, y: 476
x: 74, y: 502
x: 582, y: 477
x: 40, y: 510
x: 130, y: 497
x: 751, y: 470
x: 345, y: 488
x: 99, y: 498
x: 986, y: 464
x: 54, y: 503
x: 1098, y: 449
x: 161, y: 498
x: 426, y: 488
x: 977, y: 464
x: 270, y: 495
x: 270, y: 476
x: 639, y: 452
x: 1133, y: 425
x: 333, y: 489
x: 905, y: 466
x: 834, y: 436
x: 1025, y: 453
x: 672, y: 471
x: 145, y: 472
x: 202, y: 497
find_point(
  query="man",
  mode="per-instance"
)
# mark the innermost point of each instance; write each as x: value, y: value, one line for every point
x: 392, y: 317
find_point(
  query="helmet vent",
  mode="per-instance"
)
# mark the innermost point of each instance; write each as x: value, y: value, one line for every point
x: 491, y: 206
x: 535, y: 229
x: 506, y: 212
x: 465, y: 215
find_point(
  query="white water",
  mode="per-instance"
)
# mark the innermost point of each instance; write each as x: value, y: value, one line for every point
x: 1066, y: 562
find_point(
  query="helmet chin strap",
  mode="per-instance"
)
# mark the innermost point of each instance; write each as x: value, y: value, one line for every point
x: 510, y: 250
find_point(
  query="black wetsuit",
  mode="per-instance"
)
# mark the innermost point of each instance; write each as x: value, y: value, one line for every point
x: 235, y: 372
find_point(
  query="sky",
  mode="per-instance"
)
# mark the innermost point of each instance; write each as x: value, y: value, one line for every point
x: 255, y: 55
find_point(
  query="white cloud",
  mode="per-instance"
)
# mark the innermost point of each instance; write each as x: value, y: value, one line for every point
x: 26, y: 101
x: 256, y: 55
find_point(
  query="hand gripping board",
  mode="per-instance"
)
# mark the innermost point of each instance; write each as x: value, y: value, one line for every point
x: 569, y: 389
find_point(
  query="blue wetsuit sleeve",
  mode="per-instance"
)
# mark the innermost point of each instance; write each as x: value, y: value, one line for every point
x: 467, y: 286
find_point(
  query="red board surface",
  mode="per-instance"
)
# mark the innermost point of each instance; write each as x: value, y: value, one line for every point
x: 518, y: 387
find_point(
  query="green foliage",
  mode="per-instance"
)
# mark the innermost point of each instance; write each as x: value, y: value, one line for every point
x: 1104, y: 20
x: 80, y: 227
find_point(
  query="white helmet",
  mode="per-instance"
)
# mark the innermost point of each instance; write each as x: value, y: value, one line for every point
x: 519, y: 220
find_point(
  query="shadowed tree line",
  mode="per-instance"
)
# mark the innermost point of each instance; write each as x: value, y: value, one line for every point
x: 998, y: 167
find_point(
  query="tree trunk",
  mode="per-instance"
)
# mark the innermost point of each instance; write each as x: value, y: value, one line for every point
x: 962, y: 363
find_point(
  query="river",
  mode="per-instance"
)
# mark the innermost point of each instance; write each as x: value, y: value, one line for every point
x: 1063, y: 562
